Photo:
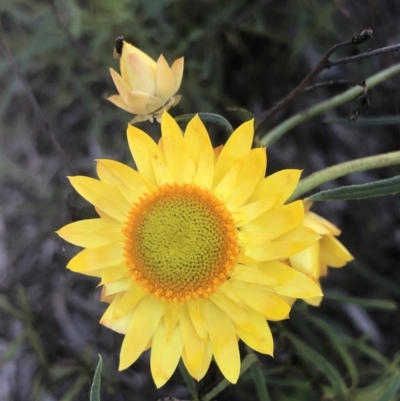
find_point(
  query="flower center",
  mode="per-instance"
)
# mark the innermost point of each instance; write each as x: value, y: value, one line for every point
x: 181, y: 242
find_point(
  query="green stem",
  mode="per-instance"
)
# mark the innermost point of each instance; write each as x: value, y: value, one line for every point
x: 189, y: 381
x: 247, y: 362
x: 342, y: 169
x: 281, y: 129
x: 207, y: 118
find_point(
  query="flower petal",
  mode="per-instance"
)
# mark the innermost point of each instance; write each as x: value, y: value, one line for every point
x: 97, y: 258
x: 333, y: 253
x: 104, y: 196
x: 284, y: 246
x: 260, y: 338
x: 122, y: 87
x: 199, y: 373
x: 290, y: 282
x: 251, y: 211
x: 308, y: 261
x: 223, y: 341
x: 165, y: 354
x: 272, y: 224
x: 261, y: 300
x: 138, y: 72
x: 120, y: 102
x: 175, y: 149
x: 139, y: 144
x: 114, y: 273
x: 252, y: 172
x: 84, y: 232
x: 319, y: 224
x: 177, y: 72
x: 143, y: 103
x: 133, y: 295
x: 193, y: 345
x: 235, y: 312
x: 281, y: 184
x: 237, y: 147
x: 165, y: 81
x: 140, y: 331
x: 196, y: 312
x: 127, y: 180
x: 201, y: 151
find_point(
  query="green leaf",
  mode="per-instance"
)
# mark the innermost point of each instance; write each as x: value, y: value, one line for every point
x: 37, y: 345
x: 338, y: 347
x: 319, y: 363
x: 389, y: 186
x: 260, y: 384
x: 382, y: 304
x: 207, y: 118
x: 75, y: 389
x: 95, y: 389
x: 13, y: 348
x: 380, y: 390
x: 391, y: 389
x: 7, y: 307
x: 247, y: 362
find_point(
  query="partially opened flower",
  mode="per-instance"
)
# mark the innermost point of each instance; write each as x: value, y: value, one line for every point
x: 146, y: 87
x: 189, y: 248
x: 328, y: 251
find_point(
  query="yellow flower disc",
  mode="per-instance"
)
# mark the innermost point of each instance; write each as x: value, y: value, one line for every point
x: 181, y: 242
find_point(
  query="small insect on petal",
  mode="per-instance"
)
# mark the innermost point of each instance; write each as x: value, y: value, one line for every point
x: 119, y: 43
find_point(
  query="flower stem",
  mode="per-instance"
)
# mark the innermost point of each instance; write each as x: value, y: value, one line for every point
x: 207, y: 118
x: 342, y: 169
x: 247, y: 362
x: 281, y: 129
x: 189, y: 381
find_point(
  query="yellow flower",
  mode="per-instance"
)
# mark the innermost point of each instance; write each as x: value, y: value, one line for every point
x: 189, y: 248
x: 328, y: 251
x: 146, y: 87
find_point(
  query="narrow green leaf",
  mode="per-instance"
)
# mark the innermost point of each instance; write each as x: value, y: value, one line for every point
x: 373, y: 354
x: 389, y: 186
x: 37, y: 345
x: 318, y: 362
x: 23, y: 299
x: 247, y: 362
x: 189, y: 381
x: 391, y: 389
x: 260, y: 383
x: 95, y: 389
x: 74, y: 389
x: 13, y: 348
x: 8, y: 308
x: 376, y: 279
x: 338, y: 347
x: 207, y: 118
x: 382, y: 304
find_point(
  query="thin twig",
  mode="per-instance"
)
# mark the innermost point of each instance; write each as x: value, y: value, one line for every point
x: 34, y: 103
x: 362, y: 56
x: 361, y: 38
x: 285, y: 126
x: 338, y: 82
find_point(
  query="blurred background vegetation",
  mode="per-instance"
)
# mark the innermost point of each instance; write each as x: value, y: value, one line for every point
x: 238, y: 53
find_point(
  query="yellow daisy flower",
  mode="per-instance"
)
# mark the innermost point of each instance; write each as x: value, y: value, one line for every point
x: 146, y: 87
x: 328, y: 251
x: 189, y: 248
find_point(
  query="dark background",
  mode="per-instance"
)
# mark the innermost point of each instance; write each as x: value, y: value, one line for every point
x: 238, y: 53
